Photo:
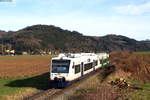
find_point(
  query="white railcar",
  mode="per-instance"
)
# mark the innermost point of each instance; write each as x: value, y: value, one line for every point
x: 67, y: 68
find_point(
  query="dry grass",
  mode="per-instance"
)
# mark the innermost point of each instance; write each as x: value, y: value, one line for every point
x: 20, y: 95
x: 131, y: 65
x: 86, y: 87
x: 127, y: 65
x: 93, y: 88
x: 102, y: 93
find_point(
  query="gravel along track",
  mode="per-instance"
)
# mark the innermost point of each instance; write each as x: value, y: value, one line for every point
x: 64, y: 93
x: 43, y: 95
x: 70, y: 90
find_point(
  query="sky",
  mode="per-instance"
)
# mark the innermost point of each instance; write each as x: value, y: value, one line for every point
x: 130, y: 18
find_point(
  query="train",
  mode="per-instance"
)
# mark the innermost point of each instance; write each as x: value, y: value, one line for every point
x: 65, y: 69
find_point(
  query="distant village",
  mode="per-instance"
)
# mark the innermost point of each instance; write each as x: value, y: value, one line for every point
x: 7, y: 50
x: 13, y: 52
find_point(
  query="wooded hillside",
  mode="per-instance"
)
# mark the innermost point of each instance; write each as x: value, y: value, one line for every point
x: 39, y: 38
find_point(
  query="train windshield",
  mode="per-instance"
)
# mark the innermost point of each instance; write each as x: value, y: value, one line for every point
x: 60, y: 66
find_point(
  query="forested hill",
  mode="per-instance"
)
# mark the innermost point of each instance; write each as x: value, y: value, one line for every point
x: 39, y: 38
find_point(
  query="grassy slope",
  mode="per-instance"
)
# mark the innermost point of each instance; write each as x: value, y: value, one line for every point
x: 108, y: 92
x: 142, y: 64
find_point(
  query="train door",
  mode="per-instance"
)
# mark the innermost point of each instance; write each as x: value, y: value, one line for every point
x: 82, y: 68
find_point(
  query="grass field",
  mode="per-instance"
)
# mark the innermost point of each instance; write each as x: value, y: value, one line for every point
x: 23, y: 75
x: 16, y: 88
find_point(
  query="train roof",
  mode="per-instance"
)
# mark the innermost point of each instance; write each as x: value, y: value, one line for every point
x: 71, y: 56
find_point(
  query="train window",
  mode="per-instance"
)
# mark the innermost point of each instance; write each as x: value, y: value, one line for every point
x: 88, y: 66
x: 60, y: 66
x: 101, y: 61
x: 73, y: 65
x: 60, y: 69
x: 77, y: 69
x: 95, y: 63
x: 105, y: 60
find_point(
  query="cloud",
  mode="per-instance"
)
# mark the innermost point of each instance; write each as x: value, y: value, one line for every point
x: 134, y: 9
x: 90, y: 17
x: 93, y: 25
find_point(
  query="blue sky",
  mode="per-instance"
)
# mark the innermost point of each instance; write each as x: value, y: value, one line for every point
x: 91, y: 17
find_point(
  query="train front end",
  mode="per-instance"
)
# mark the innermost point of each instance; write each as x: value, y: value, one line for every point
x: 59, y: 72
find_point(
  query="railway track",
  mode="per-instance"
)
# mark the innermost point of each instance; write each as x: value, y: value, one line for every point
x: 43, y: 95
x: 59, y: 94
